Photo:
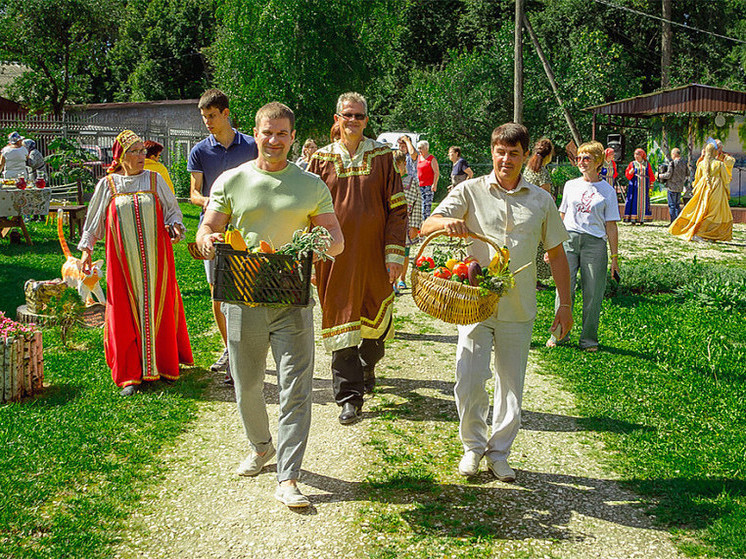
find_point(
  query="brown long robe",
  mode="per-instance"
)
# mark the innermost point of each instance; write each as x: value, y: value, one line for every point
x: 355, y: 293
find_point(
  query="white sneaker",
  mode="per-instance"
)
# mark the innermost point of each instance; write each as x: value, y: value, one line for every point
x: 254, y: 463
x: 221, y: 364
x: 290, y: 496
x: 469, y: 465
x: 501, y: 470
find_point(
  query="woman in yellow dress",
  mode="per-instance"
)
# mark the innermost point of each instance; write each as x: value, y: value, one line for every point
x: 707, y: 216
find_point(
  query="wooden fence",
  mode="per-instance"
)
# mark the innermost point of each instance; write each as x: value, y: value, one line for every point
x: 97, y: 133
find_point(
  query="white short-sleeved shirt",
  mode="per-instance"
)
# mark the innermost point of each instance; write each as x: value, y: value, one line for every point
x: 15, y: 161
x: 517, y: 219
x: 588, y: 206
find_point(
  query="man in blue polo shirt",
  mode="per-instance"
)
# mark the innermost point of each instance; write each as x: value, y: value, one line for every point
x: 225, y: 148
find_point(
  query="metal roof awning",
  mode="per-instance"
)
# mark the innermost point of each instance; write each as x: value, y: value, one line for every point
x: 692, y: 98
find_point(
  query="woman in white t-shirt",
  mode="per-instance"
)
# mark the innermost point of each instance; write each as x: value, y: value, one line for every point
x: 13, y: 157
x: 590, y: 213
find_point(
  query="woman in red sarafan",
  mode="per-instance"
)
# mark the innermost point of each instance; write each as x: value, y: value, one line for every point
x: 641, y: 178
x: 145, y: 336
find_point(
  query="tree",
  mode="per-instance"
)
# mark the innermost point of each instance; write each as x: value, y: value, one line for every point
x: 63, y: 43
x: 302, y: 53
x: 463, y: 102
x: 158, y: 53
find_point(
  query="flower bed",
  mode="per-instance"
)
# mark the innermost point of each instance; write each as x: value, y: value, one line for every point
x: 21, y: 360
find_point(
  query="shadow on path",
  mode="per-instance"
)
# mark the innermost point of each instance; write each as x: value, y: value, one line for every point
x: 551, y: 422
x: 441, y: 338
x: 538, y: 506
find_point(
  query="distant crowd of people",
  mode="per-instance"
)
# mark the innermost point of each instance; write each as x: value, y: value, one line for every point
x: 375, y: 202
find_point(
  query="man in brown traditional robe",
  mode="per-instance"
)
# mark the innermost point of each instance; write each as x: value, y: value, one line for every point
x: 355, y: 290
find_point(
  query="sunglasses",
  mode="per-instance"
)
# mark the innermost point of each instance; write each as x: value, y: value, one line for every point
x: 583, y: 158
x: 352, y: 116
x: 142, y: 151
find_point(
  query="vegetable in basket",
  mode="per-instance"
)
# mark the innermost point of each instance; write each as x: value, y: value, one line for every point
x: 234, y: 238
x: 317, y: 242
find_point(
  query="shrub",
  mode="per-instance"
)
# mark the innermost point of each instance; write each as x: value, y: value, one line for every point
x: 710, y: 285
x: 648, y: 277
x: 560, y: 175
x: 67, y: 163
x: 66, y: 310
x: 725, y: 289
x: 180, y: 176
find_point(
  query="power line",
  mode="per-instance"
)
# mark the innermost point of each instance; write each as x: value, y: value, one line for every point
x: 672, y: 22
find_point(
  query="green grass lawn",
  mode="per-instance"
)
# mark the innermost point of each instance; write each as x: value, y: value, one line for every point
x: 76, y: 460
x: 673, y: 364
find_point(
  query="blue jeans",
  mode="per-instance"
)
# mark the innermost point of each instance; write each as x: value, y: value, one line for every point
x: 674, y: 199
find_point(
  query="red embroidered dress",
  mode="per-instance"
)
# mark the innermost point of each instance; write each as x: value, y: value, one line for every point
x: 145, y: 334
x: 355, y: 293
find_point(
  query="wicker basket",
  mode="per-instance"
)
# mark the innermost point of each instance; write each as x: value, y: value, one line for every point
x: 448, y: 300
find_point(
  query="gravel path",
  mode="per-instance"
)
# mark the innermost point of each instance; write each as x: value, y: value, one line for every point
x: 565, y: 502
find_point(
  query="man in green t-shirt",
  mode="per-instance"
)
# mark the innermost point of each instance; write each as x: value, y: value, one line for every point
x: 269, y: 199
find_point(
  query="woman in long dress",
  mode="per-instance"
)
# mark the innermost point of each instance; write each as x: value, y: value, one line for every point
x: 641, y: 178
x: 609, y: 172
x: 145, y: 336
x: 708, y: 215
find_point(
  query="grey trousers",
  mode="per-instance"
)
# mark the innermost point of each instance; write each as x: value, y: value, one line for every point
x: 252, y: 331
x: 587, y: 254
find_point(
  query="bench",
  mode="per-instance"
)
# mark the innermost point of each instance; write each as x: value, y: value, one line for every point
x: 69, y: 199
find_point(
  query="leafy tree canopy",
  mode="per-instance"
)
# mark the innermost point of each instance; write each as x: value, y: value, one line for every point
x: 63, y: 42
x: 301, y: 52
x: 158, y: 53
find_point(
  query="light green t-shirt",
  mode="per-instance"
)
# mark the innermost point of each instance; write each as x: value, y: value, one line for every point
x: 269, y: 206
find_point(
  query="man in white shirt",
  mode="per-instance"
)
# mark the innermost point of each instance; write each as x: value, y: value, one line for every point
x: 516, y: 214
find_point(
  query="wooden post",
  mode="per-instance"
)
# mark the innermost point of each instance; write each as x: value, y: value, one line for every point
x: 690, y: 149
x: 593, y: 128
x: 518, y: 64
x: 552, y: 81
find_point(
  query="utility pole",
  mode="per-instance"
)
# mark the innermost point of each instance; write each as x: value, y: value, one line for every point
x: 518, y: 64
x: 666, y: 37
x: 550, y: 75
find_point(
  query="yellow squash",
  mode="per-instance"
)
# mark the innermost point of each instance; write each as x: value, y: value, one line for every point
x: 234, y: 238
